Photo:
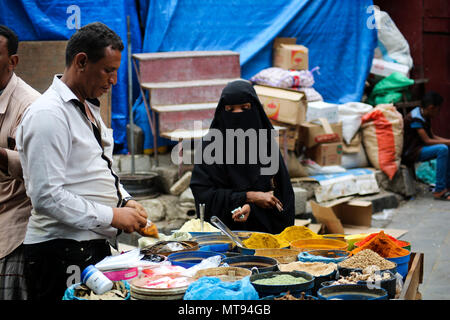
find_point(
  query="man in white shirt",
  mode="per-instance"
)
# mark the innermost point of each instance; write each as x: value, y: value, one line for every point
x: 66, y: 155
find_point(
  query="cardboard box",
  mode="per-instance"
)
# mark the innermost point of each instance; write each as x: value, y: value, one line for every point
x: 286, y: 106
x: 385, y: 68
x: 343, y: 212
x: 326, y: 154
x: 289, y: 55
x: 292, y: 134
x: 322, y: 109
x: 312, y: 134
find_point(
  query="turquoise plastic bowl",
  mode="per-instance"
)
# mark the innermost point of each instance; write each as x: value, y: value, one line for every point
x: 402, y: 264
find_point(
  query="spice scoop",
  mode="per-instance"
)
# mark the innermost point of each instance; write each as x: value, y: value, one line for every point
x: 225, y: 230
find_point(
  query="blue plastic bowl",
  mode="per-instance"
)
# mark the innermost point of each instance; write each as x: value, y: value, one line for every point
x: 402, y: 264
x: 191, y: 258
x: 351, y: 292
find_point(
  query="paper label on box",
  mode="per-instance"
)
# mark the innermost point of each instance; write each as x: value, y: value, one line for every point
x: 296, y: 57
x: 273, y: 109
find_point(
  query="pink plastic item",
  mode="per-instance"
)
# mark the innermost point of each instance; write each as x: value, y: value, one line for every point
x: 122, y: 274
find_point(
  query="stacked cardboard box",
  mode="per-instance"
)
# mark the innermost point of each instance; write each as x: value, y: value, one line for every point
x: 289, y: 55
x: 323, y: 142
x: 289, y: 108
x: 285, y: 108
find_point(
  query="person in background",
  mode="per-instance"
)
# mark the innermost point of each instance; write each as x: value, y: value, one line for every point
x: 421, y: 144
x: 15, y: 206
x: 266, y: 200
x: 66, y: 154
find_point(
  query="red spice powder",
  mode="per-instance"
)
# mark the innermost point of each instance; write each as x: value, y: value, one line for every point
x: 371, y: 236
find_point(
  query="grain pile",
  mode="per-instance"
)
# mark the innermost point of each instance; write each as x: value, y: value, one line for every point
x: 316, y: 269
x: 366, y: 258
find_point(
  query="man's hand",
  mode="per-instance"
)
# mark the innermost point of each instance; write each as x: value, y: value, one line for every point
x: 242, y: 215
x: 128, y: 218
x: 264, y: 200
x: 136, y: 205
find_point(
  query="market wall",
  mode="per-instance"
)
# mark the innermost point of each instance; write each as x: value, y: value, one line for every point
x: 426, y: 26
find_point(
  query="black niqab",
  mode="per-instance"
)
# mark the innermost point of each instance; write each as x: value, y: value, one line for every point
x: 223, y: 187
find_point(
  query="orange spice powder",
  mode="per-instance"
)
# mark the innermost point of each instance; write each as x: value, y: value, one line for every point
x: 384, y: 246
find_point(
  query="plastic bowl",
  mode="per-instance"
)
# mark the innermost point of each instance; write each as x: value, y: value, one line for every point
x: 389, y: 285
x: 121, y: 274
x: 312, y: 244
x: 282, y: 255
x: 402, y: 264
x: 351, y: 292
x: 325, y: 256
x: 265, y: 290
x: 406, y: 247
x: 320, y: 279
x: 258, y: 263
x: 191, y: 258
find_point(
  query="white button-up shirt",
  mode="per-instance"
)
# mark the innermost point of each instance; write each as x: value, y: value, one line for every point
x: 68, y: 175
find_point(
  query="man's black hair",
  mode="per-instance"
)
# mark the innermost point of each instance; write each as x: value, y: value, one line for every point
x: 13, y: 40
x: 431, y: 98
x: 92, y: 39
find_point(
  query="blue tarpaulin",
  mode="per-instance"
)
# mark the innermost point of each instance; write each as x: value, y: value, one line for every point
x: 338, y: 35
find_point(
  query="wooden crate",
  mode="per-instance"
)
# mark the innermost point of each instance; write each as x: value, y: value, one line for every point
x: 414, y: 278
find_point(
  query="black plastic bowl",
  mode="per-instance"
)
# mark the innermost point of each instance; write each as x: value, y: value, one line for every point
x: 320, y: 279
x: 389, y: 285
x: 260, y: 263
x: 265, y: 290
x: 352, y: 292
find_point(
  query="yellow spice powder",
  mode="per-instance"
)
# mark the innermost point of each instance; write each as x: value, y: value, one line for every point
x: 293, y: 233
x: 264, y: 240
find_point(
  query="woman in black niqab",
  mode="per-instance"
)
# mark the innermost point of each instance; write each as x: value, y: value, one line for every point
x: 267, y: 200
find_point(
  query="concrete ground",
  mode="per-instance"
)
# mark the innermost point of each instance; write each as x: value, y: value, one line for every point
x: 427, y: 221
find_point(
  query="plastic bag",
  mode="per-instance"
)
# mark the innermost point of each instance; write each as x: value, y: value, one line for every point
x: 275, y: 77
x: 391, y: 42
x: 307, y: 257
x: 314, y: 169
x: 120, y: 291
x: 389, y: 90
x: 211, y: 262
x: 212, y: 288
x: 128, y: 259
x: 150, y: 230
x: 350, y: 115
x: 426, y: 172
x: 311, y: 94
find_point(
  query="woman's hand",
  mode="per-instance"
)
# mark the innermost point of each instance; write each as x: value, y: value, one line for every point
x: 264, y: 200
x: 242, y: 215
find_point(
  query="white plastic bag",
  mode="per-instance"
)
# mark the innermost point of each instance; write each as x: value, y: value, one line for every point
x: 211, y: 262
x: 391, y: 42
x: 350, y: 115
